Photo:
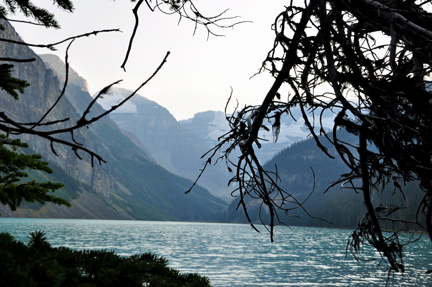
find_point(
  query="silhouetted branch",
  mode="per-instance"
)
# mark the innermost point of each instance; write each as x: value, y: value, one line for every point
x: 25, y: 22
x: 325, y: 52
x: 135, y: 12
x: 11, y: 126
x: 51, y: 46
x: 113, y: 108
x: 63, y: 90
x: 180, y: 8
x: 17, y: 60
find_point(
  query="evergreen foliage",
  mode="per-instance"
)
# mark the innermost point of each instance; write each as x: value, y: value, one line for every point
x: 10, y: 84
x: 42, y: 16
x: 40, y: 264
x: 13, y: 166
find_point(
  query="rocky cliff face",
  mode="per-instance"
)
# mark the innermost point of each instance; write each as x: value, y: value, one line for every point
x: 129, y: 185
x: 56, y: 64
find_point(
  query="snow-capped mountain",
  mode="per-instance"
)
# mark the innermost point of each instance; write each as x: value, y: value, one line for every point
x: 210, y: 125
x: 179, y: 145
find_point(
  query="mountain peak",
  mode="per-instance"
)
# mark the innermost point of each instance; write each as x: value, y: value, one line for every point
x: 56, y: 64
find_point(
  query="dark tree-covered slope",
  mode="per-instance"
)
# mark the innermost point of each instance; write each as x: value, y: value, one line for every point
x: 304, y: 168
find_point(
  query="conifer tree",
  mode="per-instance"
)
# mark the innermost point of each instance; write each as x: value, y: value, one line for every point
x: 13, y: 166
x: 13, y: 163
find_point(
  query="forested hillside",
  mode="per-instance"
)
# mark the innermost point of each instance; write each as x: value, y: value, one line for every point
x: 306, y: 171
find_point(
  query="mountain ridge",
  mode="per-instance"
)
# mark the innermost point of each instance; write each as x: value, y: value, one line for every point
x: 129, y: 185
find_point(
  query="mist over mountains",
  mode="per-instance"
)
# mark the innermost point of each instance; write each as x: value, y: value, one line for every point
x: 179, y: 145
x: 172, y: 145
x: 131, y: 185
x: 152, y: 158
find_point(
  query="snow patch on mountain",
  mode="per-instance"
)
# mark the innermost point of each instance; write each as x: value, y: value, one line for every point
x: 218, y: 126
x: 211, y: 125
x: 288, y: 134
x: 114, y: 98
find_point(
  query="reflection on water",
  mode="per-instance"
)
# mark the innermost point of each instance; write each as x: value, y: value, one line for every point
x: 234, y: 255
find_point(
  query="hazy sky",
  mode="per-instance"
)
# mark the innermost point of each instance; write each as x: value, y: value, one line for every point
x: 199, y: 71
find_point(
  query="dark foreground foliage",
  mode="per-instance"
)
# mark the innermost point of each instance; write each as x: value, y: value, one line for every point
x: 40, y: 264
x: 14, y: 168
x: 368, y: 63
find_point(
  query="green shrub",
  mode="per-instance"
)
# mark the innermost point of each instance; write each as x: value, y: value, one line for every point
x: 40, y: 264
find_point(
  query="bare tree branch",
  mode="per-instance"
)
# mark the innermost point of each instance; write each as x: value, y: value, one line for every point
x: 52, y: 45
x: 327, y: 54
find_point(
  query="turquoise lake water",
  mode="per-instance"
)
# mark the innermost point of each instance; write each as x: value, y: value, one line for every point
x: 235, y: 255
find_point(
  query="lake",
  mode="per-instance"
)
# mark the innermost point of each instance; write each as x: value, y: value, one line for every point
x: 234, y: 254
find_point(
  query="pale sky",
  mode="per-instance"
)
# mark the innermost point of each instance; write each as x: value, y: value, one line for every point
x: 199, y: 72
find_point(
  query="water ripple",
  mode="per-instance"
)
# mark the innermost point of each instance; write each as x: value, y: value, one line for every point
x: 234, y: 255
